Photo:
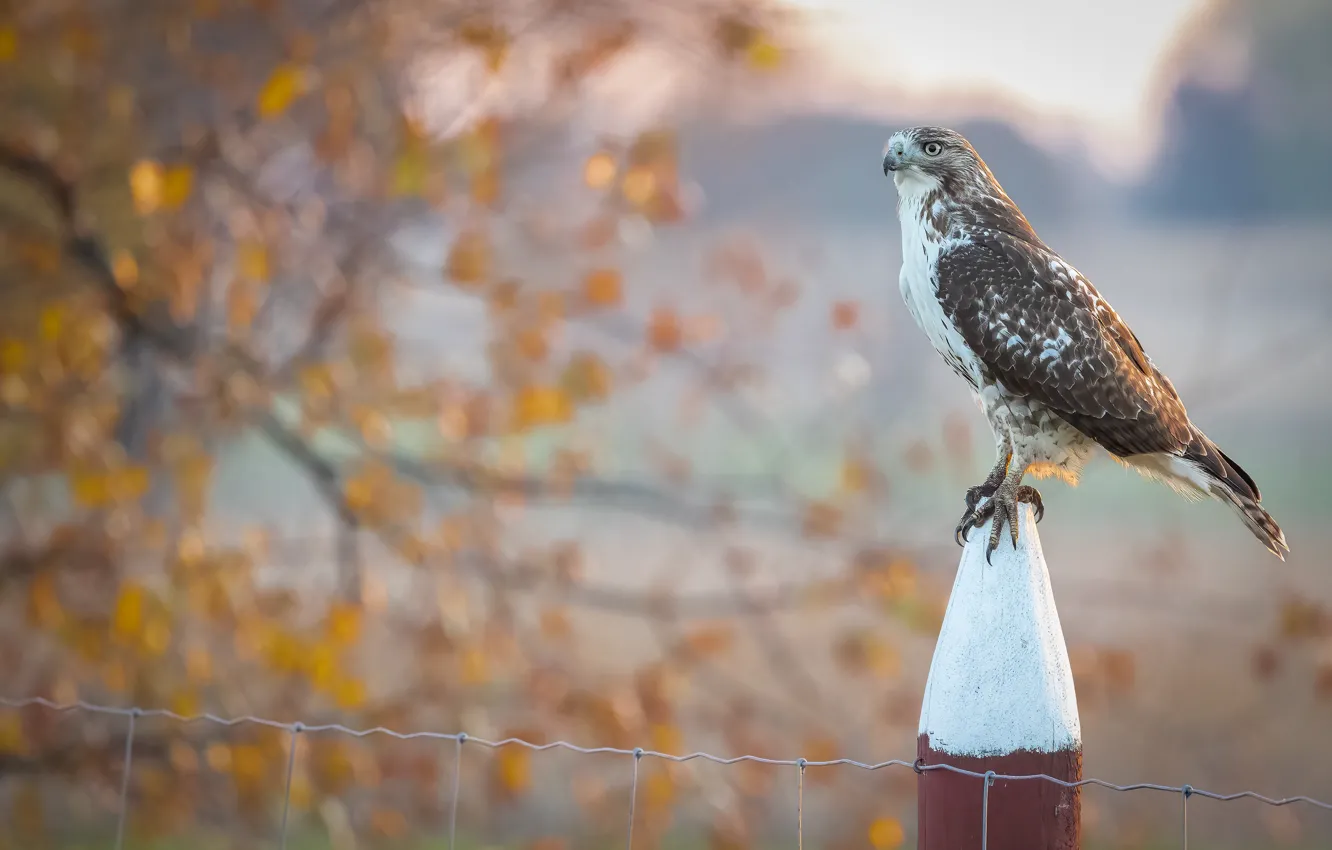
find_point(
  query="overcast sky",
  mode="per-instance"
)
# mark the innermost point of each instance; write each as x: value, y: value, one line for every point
x: 1090, y: 61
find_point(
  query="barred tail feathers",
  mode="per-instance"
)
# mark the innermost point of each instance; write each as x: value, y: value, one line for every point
x: 1227, y: 481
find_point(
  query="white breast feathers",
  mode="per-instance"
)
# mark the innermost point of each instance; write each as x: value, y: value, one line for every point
x: 918, y: 281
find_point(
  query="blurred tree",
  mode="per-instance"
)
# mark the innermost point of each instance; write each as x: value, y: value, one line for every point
x: 202, y: 214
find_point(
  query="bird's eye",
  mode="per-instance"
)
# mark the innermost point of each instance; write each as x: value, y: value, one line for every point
x: 933, y: 148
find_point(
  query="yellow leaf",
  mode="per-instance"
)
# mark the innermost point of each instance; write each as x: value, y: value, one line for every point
x: 322, y: 667
x: 886, y: 833
x: 541, y: 405
x: 11, y: 734
x: 90, y: 489
x: 125, y: 268
x: 343, y: 624
x: 145, y: 180
x: 252, y: 261
x: 410, y: 170
x: 762, y: 54
x: 667, y: 739
x: 128, y: 484
x: 198, y: 664
x: 8, y: 43
x: 285, y: 84
x: 13, y: 356
x: 473, y: 666
x: 156, y: 638
x: 51, y: 322
x: 513, y: 769
x: 177, y: 183
x: 660, y: 790
x: 639, y: 185
x: 128, y: 617
x: 349, y: 694
x: 185, y: 703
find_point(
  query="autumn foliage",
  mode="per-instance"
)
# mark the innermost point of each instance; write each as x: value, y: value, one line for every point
x: 202, y: 295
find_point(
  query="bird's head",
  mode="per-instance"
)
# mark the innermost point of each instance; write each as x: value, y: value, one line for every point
x: 928, y: 159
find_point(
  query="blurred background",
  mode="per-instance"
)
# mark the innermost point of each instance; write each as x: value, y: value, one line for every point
x: 537, y: 368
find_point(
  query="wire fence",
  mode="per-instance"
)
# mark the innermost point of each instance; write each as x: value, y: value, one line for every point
x: 295, y: 729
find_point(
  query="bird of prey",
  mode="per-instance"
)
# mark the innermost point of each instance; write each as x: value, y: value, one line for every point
x: 1055, y: 369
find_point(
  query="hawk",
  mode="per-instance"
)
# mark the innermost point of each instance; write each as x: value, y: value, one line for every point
x: 1055, y: 369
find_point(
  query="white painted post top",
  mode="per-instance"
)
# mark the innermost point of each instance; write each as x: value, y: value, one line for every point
x: 1000, y: 680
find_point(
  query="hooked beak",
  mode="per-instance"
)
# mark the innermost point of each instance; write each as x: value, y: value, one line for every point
x: 891, y: 162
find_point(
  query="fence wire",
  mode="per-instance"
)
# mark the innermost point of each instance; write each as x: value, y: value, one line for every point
x: 134, y: 713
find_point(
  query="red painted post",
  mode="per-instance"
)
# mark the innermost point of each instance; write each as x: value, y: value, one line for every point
x: 1000, y: 698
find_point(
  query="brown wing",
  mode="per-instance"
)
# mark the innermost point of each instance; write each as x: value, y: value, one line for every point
x: 1044, y: 332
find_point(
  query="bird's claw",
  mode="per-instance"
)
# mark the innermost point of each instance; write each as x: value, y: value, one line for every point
x: 973, y: 498
x: 1003, y: 506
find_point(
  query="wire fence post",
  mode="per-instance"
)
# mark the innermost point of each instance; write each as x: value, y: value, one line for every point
x: 296, y: 729
x: 800, y: 803
x: 633, y: 797
x: 457, y: 786
x: 999, y: 703
x: 123, y: 816
x: 1185, y: 793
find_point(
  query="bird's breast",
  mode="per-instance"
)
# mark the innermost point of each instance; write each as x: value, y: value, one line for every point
x: 918, y: 282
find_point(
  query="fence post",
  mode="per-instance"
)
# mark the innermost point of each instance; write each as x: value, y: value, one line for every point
x: 1000, y: 698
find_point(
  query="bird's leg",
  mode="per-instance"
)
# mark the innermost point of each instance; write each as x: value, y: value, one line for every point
x: 984, y: 490
x: 1002, y: 505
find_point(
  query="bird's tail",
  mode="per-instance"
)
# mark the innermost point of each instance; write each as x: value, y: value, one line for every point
x: 1225, y: 480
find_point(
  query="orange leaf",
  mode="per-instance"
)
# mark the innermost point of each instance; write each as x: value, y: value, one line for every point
x: 599, y: 171
x: 665, y: 332
x: 845, y: 314
x: 821, y: 520
x: 555, y: 624
x: 602, y: 287
x: 886, y: 833
x: 708, y: 641
x: 639, y: 185
x: 125, y: 268
x: 469, y: 258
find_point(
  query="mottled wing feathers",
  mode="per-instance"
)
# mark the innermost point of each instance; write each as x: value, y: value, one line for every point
x: 1043, y: 332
